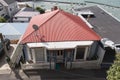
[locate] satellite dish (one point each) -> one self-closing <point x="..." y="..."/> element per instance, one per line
<point x="35" y="27"/>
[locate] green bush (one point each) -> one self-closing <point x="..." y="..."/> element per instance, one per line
<point x="40" y="10"/>
<point x="114" y="72"/>
<point x="2" y="19"/>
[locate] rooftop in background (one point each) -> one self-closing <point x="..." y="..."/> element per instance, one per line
<point x="27" y="12"/>
<point x="20" y="27"/>
<point x="28" y="9"/>
<point x="7" y="2"/>
<point x="109" y="5"/>
<point x="10" y="1"/>
<point x="104" y="24"/>
<point x="13" y="31"/>
<point x="25" y="15"/>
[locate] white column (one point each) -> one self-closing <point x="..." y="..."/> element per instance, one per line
<point x="28" y="51"/>
<point x="45" y="54"/>
<point x="101" y="53"/>
<point x="33" y="55"/>
<point x="75" y="53"/>
<point x="86" y="53"/>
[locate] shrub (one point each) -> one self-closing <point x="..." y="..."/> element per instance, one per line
<point x="2" y="19"/>
<point x="40" y="10"/>
<point x="114" y="72"/>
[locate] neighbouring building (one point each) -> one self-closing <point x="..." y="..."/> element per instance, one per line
<point x="13" y="31"/>
<point x="58" y="39"/>
<point x="107" y="26"/>
<point x="25" y="14"/>
<point x="9" y="31"/>
<point x="9" y="7"/>
<point x="3" y="11"/>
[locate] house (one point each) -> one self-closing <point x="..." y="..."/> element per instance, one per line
<point x="57" y="40"/>
<point x="3" y="11"/>
<point x="25" y="14"/>
<point x="10" y="6"/>
<point x="106" y="25"/>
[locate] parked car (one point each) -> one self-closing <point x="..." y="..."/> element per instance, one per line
<point x="7" y="43"/>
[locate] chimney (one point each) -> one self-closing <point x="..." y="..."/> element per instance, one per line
<point x="54" y="8"/>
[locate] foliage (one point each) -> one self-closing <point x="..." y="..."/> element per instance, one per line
<point x="114" y="71"/>
<point x="40" y="10"/>
<point x="2" y="19"/>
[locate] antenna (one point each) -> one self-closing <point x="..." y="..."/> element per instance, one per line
<point x="35" y="27"/>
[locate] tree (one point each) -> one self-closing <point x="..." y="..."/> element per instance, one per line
<point x="114" y="72"/>
<point x="2" y="19"/>
<point x="40" y="10"/>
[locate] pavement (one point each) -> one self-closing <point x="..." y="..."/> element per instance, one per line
<point x="6" y="73"/>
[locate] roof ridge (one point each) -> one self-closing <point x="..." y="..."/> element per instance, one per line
<point x="44" y="22"/>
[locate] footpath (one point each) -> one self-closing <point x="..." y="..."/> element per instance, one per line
<point x="5" y="71"/>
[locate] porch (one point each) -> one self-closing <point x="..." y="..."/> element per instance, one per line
<point x="62" y="58"/>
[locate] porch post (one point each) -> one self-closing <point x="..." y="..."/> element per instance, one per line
<point x="28" y="51"/>
<point x="86" y="53"/>
<point x="45" y="54"/>
<point x="33" y="54"/>
<point x="75" y="53"/>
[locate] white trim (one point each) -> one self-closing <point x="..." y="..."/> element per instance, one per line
<point x="75" y="54"/>
<point x="28" y="51"/>
<point x="86" y="53"/>
<point x="60" y="45"/>
<point x="33" y="55"/>
<point x="45" y="54"/>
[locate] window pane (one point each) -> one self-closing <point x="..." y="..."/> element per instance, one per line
<point x="80" y="53"/>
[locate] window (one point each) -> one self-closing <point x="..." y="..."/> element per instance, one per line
<point x="10" y="9"/>
<point x="15" y="17"/>
<point x="39" y="54"/>
<point x="88" y="16"/>
<point x="3" y="15"/>
<point x="80" y="53"/>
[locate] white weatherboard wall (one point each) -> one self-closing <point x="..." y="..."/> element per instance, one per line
<point x="12" y="9"/>
<point x="3" y="11"/>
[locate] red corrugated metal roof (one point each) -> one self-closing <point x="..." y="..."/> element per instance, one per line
<point x="58" y="26"/>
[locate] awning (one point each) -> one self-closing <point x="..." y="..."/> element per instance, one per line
<point x="60" y="45"/>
